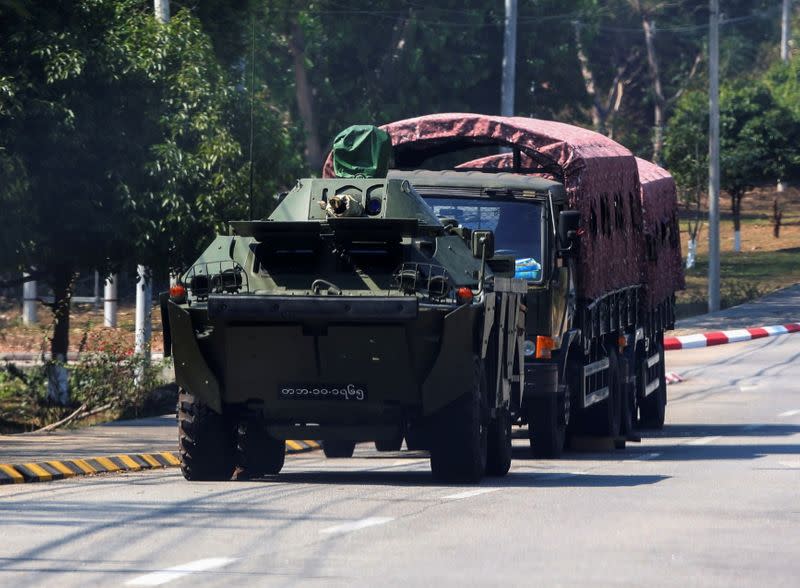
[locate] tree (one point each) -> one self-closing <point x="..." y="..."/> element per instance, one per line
<point x="112" y="128"/>
<point x="759" y="140"/>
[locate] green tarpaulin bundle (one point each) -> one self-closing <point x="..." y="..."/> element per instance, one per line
<point x="361" y="151"/>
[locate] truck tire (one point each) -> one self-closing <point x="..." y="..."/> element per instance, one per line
<point x="389" y="444"/>
<point x="652" y="410"/>
<point x="460" y="437"/>
<point x="498" y="457"/>
<point x="546" y="428"/>
<point x="603" y="419"/>
<point x="258" y="453"/>
<point x="338" y="449"/>
<point x="206" y="440"/>
<point x="627" y="400"/>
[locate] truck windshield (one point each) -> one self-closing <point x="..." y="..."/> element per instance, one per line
<point x="517" y="225"/>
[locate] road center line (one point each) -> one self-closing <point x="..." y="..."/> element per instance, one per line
<point x="789" y="413"/>
<point x="169" y="574"/>
<point x="704" y="440"/>
<point x="355" y="525"/>
<point x="469" y="493"/>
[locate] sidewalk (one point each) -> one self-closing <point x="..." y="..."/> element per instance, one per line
<point x="777" y="308"/>
<point x="152" y="435"/>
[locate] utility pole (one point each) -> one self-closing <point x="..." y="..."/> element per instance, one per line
<point x="713" y="158"/>
<point x="509" y="60"/>
<point x="786" y="33"/>
<point x="144" y="282"/>
<point x="786" y="28"/>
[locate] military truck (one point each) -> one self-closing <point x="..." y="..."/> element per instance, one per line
<point x="352" y="313"/>
<point x="598" y="248"/>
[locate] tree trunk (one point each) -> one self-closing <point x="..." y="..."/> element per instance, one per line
<point x="305" y="99"/>
<point x="691" y="255"/>
<point x="598" y="112"/>
<point x="57" y="377"/>
<point x="736" y="209"/>
<point x="659" y="102"/>
<point x="777" y="216"/>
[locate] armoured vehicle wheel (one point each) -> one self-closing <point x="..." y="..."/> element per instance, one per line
<point x="653" y="408"/>
<point x="460" y="445"/>
<point x="498" y="458"/>
<point x="546" y="428"/>
<point x="338" y="448"/>
<point x="603" y="418"/>
<point x="258" y="453"/>
<point x="390" y="444"/>
<point x="207" y="441"/>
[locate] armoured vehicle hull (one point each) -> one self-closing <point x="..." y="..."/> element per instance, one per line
<point x="351" y="314"/>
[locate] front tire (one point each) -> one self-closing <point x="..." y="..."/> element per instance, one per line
<point x="259" y="454"/>
<point x="338" y="449"/>
<point x="207" y="441"/>
<point x="498" y="458"/>
<point x="652" y="411"/>
<point x="460" y="444"/>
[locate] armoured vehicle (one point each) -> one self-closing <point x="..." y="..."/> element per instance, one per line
<point x="593" y="232"/>
<point x="351" y="314"/>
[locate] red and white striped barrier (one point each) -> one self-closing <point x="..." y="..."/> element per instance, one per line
<point x="722" y="337"/>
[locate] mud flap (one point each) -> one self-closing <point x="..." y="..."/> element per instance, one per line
<point x="191" y="370"/>
<point x="451" y="375"/>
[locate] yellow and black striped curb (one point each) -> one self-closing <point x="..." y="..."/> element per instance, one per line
<point x="47" y="471"/>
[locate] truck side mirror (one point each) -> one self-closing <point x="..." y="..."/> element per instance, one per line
<point x="568" y="224"/>
<point x="483" y="244"/>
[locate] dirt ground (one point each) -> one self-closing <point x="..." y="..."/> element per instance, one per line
<point x="86" y="332"/>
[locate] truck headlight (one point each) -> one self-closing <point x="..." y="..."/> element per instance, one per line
<point x="529" y="347"/>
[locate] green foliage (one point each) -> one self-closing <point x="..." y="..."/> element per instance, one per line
<point x="759" y="137"/>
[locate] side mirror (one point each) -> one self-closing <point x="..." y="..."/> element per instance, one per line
<point x="483" y="244"/>
<point x="568" y="224"/>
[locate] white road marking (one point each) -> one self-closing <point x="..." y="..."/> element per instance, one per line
<point x="648" y="456"/>
<point x="792" y="465"/>
<point x="789" y="413"/>
<point x="749" y="388"/>
<point x="170" y="574"/>
<point x="356" y="525"/>
<point x="469" y="493"/>
<point x="704" y="440"/>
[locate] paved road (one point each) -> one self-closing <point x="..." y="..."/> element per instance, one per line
<point x="713" y="500"/>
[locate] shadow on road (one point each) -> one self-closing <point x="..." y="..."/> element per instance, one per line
<point x="724" y="430"/>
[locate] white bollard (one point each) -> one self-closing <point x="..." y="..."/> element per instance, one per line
<point x="29" y="302"/>
<point x="144" y="301"/>
<point x="737" y="241"/>
<point x="110" y="301"/>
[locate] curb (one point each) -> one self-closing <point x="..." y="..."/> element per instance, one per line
<point x="723" y="337"/>
<point x="48" y="471"/>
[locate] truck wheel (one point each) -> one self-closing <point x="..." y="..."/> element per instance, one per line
<point x="206" y="440"/>
<point x="259" y="454"/>
<point x="603" y="419"/>
<point x="627" y="400"/>
<point x="395" y="444"/>
<point x="653" y="408"/>
<point x="546" y="428"/>
<point x="460" y="442"/>
<point x="336" y="449"/>
<point x="498" y="457"/>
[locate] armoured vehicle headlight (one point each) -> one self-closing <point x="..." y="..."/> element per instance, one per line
<point x="529" y="347"/>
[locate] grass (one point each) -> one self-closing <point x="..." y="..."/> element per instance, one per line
<point x="765" y="263"/>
